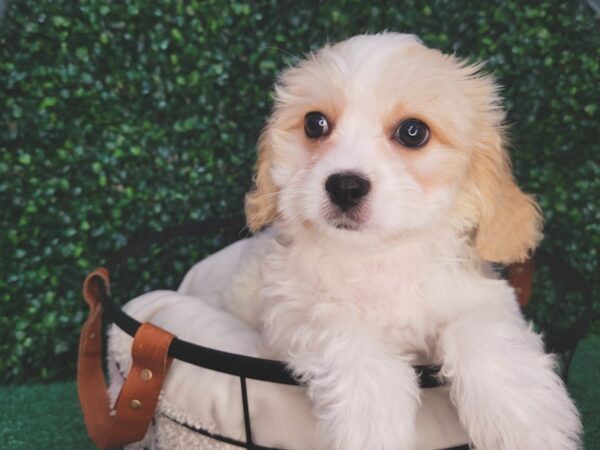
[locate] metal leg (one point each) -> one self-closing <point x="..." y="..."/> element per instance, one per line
<point x="246" y="413"/>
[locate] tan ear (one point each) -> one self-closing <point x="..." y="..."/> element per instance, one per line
<point x="509" y="221"/>
<point x="261" y="201"/>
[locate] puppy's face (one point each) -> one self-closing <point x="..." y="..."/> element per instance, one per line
<point x="381" y="136"/>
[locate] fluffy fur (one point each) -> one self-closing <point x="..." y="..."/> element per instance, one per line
<point x="351" y="309"/>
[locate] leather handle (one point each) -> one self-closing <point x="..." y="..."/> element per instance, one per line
<point x="135" y="406"/>
<point x="520" y="277"/>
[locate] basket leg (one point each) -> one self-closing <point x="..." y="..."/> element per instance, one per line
<point x="247" y="424"/>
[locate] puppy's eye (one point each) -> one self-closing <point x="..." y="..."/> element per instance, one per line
<point x="412" y="133"/>
<point x="316" y="125"/>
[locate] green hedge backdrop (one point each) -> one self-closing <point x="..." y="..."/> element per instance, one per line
<point x="121" y="116"/>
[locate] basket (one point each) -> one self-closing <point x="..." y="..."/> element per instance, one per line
<point x="568" y="285"/>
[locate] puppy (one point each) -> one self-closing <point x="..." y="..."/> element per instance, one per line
<point x="386" y="192"/>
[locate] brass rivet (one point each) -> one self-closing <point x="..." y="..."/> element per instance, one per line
<point x="519" y="270"/>
<point x="135" y="403"/>
<point x="92" y="335"/>
<point x="146" y="374"/>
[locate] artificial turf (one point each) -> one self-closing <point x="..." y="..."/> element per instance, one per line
<point x="47" y="417"/>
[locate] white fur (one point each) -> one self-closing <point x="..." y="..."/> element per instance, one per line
<point x="351" y="310"/>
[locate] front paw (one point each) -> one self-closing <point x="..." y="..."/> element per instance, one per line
<point x="549" y="422"/>
<point x="504" y="385"/>
<point x="374" y="422"/>
<point x="371" y="412"/>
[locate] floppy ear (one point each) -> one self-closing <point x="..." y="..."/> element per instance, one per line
<point x="261" y="201"/>
<point x="509" y="221"/>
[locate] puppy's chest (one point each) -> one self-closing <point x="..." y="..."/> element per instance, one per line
<point x="378" y="291"/>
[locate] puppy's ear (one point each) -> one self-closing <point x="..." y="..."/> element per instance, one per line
<point x="509" y="221"/>
<point x="261" y="201"/>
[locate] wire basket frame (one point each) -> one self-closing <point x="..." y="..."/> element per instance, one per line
<point x="246" y="367"/>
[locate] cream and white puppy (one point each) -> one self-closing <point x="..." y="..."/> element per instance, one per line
<point x="385" y="182"/>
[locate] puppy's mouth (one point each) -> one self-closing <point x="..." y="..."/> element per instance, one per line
<point x="351" y="220"/>
<point x="350" y="226"/>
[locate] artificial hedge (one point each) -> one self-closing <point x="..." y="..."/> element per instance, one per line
<point x="121" y="116"/>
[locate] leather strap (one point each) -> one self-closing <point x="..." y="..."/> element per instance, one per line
<point x="520" y="277"/>
<point x="135" y="406"/>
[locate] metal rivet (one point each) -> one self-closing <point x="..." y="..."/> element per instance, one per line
<point x="146" y="374"/>
<point x="519" y="270"/>
<point x="518" y="290"/>
<point x="135" y="403"/>
<point x="92" y="335"/>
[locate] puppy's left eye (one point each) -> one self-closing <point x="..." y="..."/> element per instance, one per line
<point x="316" y="125"/>
<point x="412" y="133"/>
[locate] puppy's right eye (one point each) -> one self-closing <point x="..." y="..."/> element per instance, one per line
<point x="316" y="125"/>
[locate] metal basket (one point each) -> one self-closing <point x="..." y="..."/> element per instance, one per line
<point x="570" y="291"/>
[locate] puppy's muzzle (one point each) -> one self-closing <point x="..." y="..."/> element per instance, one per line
<point x="347" y="190"/>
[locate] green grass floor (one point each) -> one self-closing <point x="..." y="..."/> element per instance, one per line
<point x="36" y="417"/>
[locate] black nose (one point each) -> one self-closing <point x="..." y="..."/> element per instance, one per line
<point x="347" y="189"/>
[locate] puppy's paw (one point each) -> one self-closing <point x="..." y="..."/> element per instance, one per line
<point x="550" y="422"/>
<point x="390" y="426"/>
<point x="372" y="410"/>
<point x="508" y="394"/>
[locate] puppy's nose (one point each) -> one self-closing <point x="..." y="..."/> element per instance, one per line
<point x="347" y="189"/>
